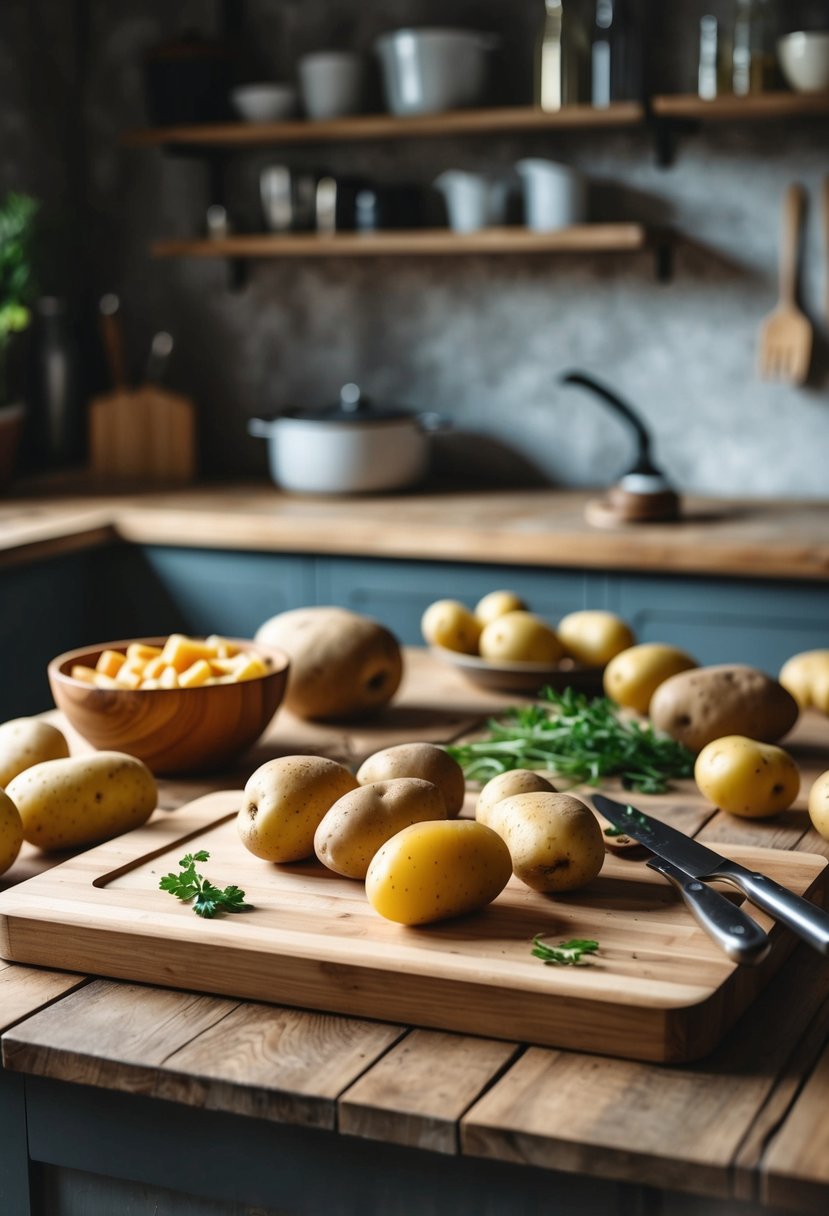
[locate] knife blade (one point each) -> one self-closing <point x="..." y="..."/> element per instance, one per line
<point x="695" y="859"/>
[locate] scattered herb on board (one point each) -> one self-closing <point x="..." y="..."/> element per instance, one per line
<point x="209" y="900"/>
<point x="578" y="738"/>
<point x="614" y="831"/>
<point x="565" y="954"/>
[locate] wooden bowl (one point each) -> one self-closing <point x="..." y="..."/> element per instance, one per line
<point x="523" y="677"/>
<point x="173" y="730"/>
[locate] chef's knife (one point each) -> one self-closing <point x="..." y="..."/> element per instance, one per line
<point x="700" y="862"/>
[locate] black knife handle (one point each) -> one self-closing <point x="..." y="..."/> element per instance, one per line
<point x="742" y="939"/>
<point x="803" y="918"/>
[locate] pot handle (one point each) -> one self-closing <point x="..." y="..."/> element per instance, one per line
<point x="261" y="428"/>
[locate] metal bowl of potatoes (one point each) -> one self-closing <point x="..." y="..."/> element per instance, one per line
<point x="219" y="699"/>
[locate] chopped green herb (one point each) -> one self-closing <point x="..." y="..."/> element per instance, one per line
<point x="612" y="831"/>
<point x="580" y="739"/>
<point x="565" y="954"/>
<point x="209" y="900"/>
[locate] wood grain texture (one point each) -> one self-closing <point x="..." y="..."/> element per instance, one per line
<point x="142" y="434"/>
<point x="418" y="1091"/>
<point x="758" y="107"/>
<point x="661" y="989"/>
<point x="261" y="1061"/>
<point x="541" y="527"/>
<point x="24" y="990"/>
<point x="795" y="1171"/>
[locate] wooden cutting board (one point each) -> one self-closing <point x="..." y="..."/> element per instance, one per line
<point x="143" y="434"/>
<point x="659" y="989"/>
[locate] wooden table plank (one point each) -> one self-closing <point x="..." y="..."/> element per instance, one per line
<point x="25" y="990"/>
<point x="795" y="1170"/>
<point x="418" y="1091"/>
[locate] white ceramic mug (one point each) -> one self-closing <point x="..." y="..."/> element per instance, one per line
<point x="555" y="196"/>
<point x="473" y="200"/>
<point x="333" y="83"/>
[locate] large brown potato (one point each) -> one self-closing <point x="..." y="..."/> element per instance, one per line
<point x="696" y="707"/>
<point x="360" y="822"/>
<point x="343" y="665"/>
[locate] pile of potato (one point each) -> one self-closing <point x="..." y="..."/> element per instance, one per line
<point x="501" y="628"/>
<point x="393" y="825"/>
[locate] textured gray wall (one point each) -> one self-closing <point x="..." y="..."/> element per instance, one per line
<point x="482" y="340"/>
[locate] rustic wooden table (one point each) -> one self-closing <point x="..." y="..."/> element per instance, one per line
<point x="128" y="1098"/>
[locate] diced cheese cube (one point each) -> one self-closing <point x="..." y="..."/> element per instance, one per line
<point x="196" y="675"/>
<point x="168" y="678"/>
<point x="109" y="662"/>
<point x="87" y="674"/>
<point x="182" y="652"/>
<point x="251" y="669"/>
<point x="140" y="650"/>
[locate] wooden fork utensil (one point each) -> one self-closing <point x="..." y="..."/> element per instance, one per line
<point x="786" y="334"/>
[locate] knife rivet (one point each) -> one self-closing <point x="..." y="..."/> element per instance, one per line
<point x="694" y="886"/>
<point x="738" y="929"/>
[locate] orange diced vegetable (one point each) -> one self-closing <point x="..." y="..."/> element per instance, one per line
<point x="109" y="662"/>
<point x="87" y="674"/>
<point x="196" y="675"/>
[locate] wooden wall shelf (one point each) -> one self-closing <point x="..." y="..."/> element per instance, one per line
<point x="385" y="126"/>
<point x="745" y="109"/>
<point x="586" y="238"/>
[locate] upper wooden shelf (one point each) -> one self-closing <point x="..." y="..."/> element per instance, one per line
<point x="748" y="109"/>
<point x="386" y="126"/>
<point x="585" y="238"/>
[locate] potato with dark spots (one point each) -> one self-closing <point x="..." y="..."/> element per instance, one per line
<point x="83" y="799"/>
<point x="696" y="707"/>
<point x="506" y="785"/>
<point x="554" y="840"/>
<point x="284" y="803"/>
<point x="423" y="760"/>
<point x="360" y="822"/>
<point x="746" y="778"/>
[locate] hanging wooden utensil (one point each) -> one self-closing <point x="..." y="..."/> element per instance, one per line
<point x="786" y="334"/>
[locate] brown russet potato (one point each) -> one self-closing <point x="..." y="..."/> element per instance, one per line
<point x="423" y="760"/>
<point x="343" y="665"/>
<point x="696" y="707"/>
<point x="360" y="822"/>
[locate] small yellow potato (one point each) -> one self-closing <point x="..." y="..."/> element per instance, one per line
<point x="28" y="741"/>
<point x="633" y="676"/>
<point x="806" y="677"/>
<point x="819" y="805"/>
<point x="361" y="821"/>
<point x="554" y="840"/>
<point x="285" y="801"/>
<point x="11" y="832"/>
<point x="706" y="703"/>
<point x="505" y="785"/>
<point x="746" y="777"/>
<point x="450" y="624"/>
<point x="497" y="603"/>
<point x="83" y="799"/>
<point x="433" y="871"/>
<point x="520" y="637"/>
<point x="594" y="637"/>
<point x="423" y="760"/>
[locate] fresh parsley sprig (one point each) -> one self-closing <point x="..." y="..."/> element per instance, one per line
<point x="579" y="739"/>
<point x="565" y="954"/>
<point x="209" y="900"/>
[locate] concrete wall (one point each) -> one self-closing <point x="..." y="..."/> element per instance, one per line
<point x="482" y="340"/>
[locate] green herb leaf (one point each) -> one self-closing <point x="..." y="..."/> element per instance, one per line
<point x="209" y="899"/>
<point x="565" y="954"/>
<point x="613" y="831"/>
<point x="579" y="739"/>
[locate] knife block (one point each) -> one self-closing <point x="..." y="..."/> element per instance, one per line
<point x="142" y="434"/>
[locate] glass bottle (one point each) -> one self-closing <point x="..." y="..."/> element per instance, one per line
<point x="752" y="58"/>
<point x="562" y="58"/>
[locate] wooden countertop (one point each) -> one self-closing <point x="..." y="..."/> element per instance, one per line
<point x="745" y="1123"/>
<point x="539" y="527"/>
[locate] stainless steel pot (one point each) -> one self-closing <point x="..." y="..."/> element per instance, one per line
<point x="353" y="447"/>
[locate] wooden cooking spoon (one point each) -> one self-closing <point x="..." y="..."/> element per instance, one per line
<point x="786" y="334"/>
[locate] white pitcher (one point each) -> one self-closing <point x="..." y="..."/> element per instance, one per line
<point x="473" y="200"/>
<point x="555" y="196"/>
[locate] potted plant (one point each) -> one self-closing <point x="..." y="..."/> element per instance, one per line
<point x="17" y="214"/>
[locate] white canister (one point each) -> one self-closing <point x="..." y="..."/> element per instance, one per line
<point x="555" y="196"/>
<point x="332" y="83"/>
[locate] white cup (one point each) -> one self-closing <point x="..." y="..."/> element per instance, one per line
<point x="473" y="200"/>
<point x="555" y="196"/>
<point x="333" y="83"/>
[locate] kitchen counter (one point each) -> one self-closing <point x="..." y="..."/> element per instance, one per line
<point x="298" y="1111"/>
<point x="537" y="528"/>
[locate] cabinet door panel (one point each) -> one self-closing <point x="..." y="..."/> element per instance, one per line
<point x="397" y="593"/>
<point x="215" y="591"/>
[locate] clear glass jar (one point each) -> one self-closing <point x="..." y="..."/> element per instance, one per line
<point x="753" y="60"/>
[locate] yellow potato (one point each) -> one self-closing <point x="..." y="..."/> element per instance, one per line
<point x="423" y="760"/>
<point x="284" y="803"/>
<point x="28" y="741"/>
<point x="11" y="832"/>
<point x="520" y="637"/>
<point x="496" y="604"/>
<point x="819" y="805"/>
<point x="505" y="785"/>
<point x="594" y="637"/>
<point x="450" y="624"/>
<point x="433" y="871"/>
<point x="746" y="777"/>
<point x="806" y="677"/>
<point x="554" y="840"/>
<point x="83" y="799"/>
<point x="633" y="676"/>
<point x="361" y="821"/>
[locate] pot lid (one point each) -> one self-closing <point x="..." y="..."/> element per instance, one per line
<point x="352" y="406"/>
